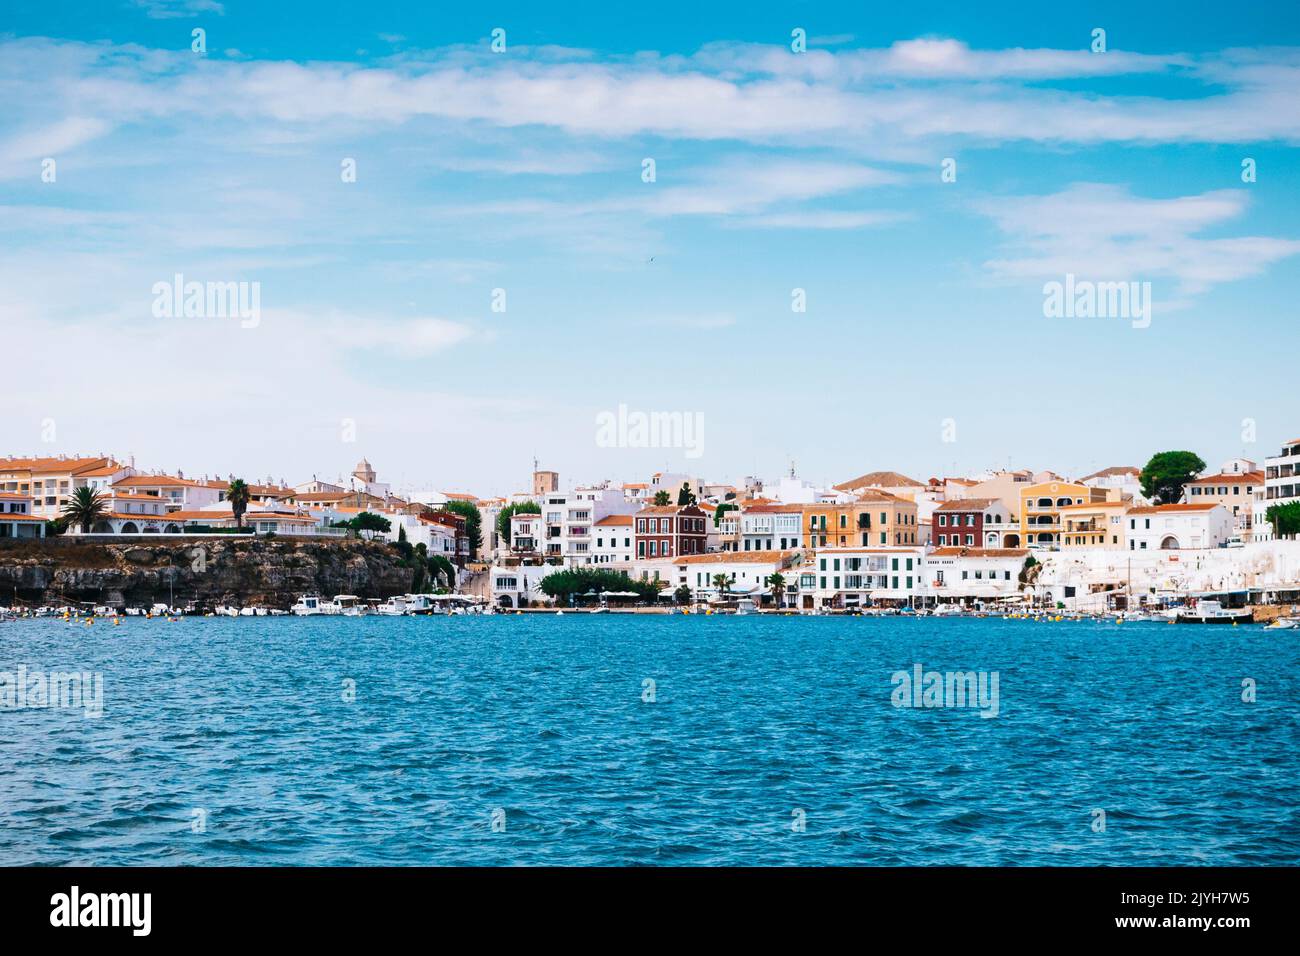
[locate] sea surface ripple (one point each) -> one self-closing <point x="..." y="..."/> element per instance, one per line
<point x="530" y="740"/>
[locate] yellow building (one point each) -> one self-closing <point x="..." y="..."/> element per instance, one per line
<point x="1097" y="524"/>
<point x="1040" y="510"/>
<point x="873" y="519"/>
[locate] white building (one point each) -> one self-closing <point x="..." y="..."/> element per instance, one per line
<point x="856" y="577"/>
<point x="526" y="532"/>
<point x="177" y="492"/>
<point x="1173" y="527"/>
<point x="972" y="575"/>
<point x="747" y="575"/>
<point x="613" y="544"/>
<point x="769" y="527"/>
<point x="516" y="587"/>
<point x="130" y="513"/>
<point x="1281" y="486"/>
<point x="16" y="518"/>
<point x="1125" y="478"/>
<point x="569" y="521"/>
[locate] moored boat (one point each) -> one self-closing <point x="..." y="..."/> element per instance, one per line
<point x="1208" y="611"/>
<point x="309" y="605"/>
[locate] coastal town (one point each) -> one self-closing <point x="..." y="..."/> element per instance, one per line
<point x="1107" y="542"/>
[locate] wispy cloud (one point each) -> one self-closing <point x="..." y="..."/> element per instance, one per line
<point x="1105" y="232"/>
<point x="178" y="9"/>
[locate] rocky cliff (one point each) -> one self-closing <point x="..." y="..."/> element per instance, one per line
<point x="207" y="571"/>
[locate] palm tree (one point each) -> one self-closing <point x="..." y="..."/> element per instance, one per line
<point x="662" y="498"/>
<point x="237" y="494"/>
<point x="721" y="581"/>
<point x="85" y="507"/>
<point x="776" y="581"/>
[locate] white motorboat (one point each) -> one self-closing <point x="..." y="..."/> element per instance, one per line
<point x="946" y="610"/>
<point x="418" y="603"/>
<point x="349" y="605"/>
<point x="393" y="607"/>
<point x="1207" y="611"/>
<point x="1282" y="624"/>
<point x="745" y="606"/>
<point x="309" y="605"/>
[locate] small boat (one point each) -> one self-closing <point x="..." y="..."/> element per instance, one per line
<point x="946" y="610"/>
<point x="1282" y="624"/>
<point x="393" y="607"/>
<point x="418" y="604"/>
<point x="745" y="606"/>
<point x="309" y="605"/>
<point x="349" y="605"/>
<point x="1130" y="617"/>
<point x="1212" y="612"/>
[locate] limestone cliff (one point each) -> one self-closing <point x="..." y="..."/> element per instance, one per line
<point x="208" y="571"/>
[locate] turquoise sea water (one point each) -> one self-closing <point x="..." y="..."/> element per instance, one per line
<point x="238" y="728"/>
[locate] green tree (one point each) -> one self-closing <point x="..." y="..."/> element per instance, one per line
<point x="682" y="595"/>
<point x="571" y="582"/>
<point x="85" y="507"/>
<point x="509" y="511"/>
<point x="1166" y="473"/>
<point x="1285" y="519"/>
<point x="662" y="498"/>
<point x="473" y="523"/>
<point x="442" y="569"/>
<point x="684" y="495"/>
<point x="723" y="584"/>
<point x="368" y="521"/>
<point x="722" y="509"/>
<point x="776" y="581"/>
<point x="238" y="494"/>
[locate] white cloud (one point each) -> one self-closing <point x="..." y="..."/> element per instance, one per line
<point x="22" y="152"/>
<point x="865" y="99"/>
<point x="1104" y="232"/>
<point x="178" y="9"/>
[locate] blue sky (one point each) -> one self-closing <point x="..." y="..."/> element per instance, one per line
<point x="522" y="171"/>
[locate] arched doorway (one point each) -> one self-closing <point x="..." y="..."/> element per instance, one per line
<point x="992" y="540"/>
<point x="1011" y="541"/>
<point x="172" y="529"/>
<point x="101" y="527"/>
<point x="129" y="528"/>
<point x="1170" y="543"/>
<point x="505" y="600"/>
